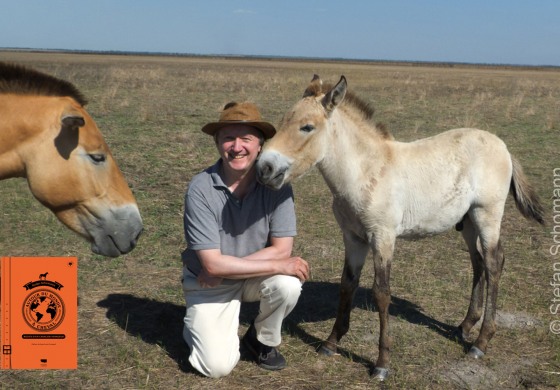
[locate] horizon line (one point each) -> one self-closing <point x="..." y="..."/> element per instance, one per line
<point x="276" y="57"/>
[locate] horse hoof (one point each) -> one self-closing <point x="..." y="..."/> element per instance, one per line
<point x="380" y="373"/>
<point x="475" y="353"/>
<point x="326" y="351"/>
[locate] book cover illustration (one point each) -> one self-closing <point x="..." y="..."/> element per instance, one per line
<point x="39" y="312"/>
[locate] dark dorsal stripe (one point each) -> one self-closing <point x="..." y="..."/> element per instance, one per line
<point x="364" y="108"/>
<point x="20" y="80"/>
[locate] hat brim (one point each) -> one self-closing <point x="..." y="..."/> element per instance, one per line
<point x="266" y="128"/>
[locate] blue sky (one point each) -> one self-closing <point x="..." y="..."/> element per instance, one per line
<point x="475" y="31"/>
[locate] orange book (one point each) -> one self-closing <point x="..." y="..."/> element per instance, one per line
<point x="39" y="312"/>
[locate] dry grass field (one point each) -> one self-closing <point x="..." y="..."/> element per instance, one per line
<point x="150" y="110"/>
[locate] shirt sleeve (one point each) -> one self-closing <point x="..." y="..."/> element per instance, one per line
<point x="200" y="223"/>
<point x="283" y="219"/>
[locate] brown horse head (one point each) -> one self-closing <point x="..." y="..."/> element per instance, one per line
<point x="47" y="136"/>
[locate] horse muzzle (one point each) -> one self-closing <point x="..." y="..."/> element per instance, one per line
<point x="271" y="170"/>
<point x="116" y="232"/>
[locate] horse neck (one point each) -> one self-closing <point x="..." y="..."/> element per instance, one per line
<point x="355" y="155"/>
<point x="17" y="131"/>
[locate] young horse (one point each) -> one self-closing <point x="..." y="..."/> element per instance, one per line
<point x="384" y="189"/>
<point x="47" y="136"/>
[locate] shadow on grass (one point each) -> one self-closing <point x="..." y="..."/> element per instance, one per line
<point x="161" y="323"/>
<point x="319" y="302"/>
<point x="153" y="321"/>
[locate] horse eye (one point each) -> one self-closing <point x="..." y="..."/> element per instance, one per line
<point x="97" y="158"/>
<point x="307" y="128"/>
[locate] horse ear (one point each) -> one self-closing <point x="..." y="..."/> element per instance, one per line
<point x="67" y="140"/>
<point x="72" y="118"/>
<point x="335" y="96"/>
<point x="314" y="89"/>
<point x="73" y="121"/>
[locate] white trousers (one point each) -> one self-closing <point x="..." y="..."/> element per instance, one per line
<point x="212" y="317"/>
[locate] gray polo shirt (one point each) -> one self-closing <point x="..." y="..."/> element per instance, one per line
<point x="215" y="219"/>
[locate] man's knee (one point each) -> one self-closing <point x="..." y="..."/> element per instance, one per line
<point x="286" y="287"/>
<point x="213" y="356"/>
<point x="293" y="287"/>
<point x="213" y="366"/>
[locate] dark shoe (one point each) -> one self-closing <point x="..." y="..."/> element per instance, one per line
<point x="266" y="357"/>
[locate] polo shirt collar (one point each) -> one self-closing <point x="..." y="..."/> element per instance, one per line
<point x="218" y="182"/>
<point x="215" y="175"/>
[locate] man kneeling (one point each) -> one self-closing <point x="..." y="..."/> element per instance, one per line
<point x="239" y="242"/>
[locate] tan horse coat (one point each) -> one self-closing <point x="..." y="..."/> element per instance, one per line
<point x="47" y="137"/>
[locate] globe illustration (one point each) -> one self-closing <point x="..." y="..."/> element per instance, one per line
<point x="44" y="309"/>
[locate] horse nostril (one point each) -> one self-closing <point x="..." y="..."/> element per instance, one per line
<point x="266" y="170"/>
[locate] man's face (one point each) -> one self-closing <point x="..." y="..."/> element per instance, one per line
<point x="239" y="146"/>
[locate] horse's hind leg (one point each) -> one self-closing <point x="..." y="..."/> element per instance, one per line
<point x="477" y="294"/>
<point x="356" y="251"/>
<point x="494" y="261"/>
<point x="488" y="224"/>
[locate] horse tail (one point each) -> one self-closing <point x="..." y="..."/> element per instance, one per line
<point x="526" y="198"/>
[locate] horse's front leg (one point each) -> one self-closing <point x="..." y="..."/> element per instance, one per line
<point x="383" y="253"/>
<point x="356" y="251"/>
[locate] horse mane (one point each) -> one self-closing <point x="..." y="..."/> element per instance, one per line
<point x="18" y="79"/>
<point x="365" y="109"/>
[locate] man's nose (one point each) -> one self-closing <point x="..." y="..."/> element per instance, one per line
<point x="236" y="146"/>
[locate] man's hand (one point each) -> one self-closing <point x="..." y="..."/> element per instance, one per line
<point x="297" y="267"/>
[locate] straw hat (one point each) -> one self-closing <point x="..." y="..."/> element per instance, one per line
<point x="245" y="113"/>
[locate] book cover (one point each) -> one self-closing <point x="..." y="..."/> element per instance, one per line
<point x="39" y="312"/>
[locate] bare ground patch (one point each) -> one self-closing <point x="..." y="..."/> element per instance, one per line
<point x="471" y="374"/>
<point x="491" y="373"/>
